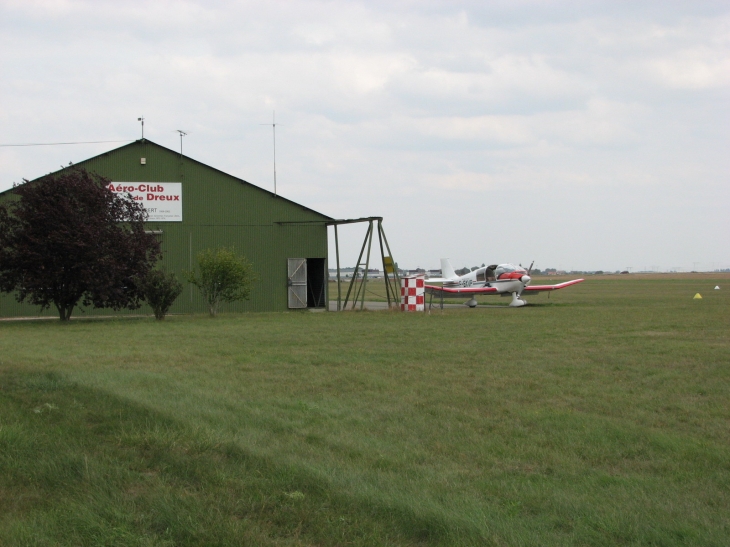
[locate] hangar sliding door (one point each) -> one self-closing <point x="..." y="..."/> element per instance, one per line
<point x="297" y="282"/>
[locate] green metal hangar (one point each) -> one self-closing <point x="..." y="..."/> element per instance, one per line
<point x="193" y="206"/>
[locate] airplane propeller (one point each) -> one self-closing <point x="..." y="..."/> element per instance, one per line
<point x="525" y="281"/>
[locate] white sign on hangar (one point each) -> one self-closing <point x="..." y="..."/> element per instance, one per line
<point x="161" y="200"/>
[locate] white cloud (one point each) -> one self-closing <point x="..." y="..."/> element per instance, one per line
<point x="695" y="68"/>
<point x="570" y="115"/>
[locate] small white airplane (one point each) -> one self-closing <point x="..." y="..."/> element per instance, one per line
<point x="501" y="279"/>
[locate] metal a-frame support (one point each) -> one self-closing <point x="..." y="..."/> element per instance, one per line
<point x="359" y="284"/>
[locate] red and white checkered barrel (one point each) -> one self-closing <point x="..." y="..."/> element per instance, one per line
<point x="413" y="293"/>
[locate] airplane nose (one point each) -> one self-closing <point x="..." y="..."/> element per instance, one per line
<point x="525" y="280"/>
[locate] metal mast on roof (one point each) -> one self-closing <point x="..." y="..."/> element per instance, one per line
<point x="182" y="134"/>
<point x="141" y="119"/>
<point x="273" y="126"/>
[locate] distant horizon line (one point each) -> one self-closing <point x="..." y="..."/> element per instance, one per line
<point x="561" y="271"/>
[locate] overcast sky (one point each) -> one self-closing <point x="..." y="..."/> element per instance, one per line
<point x="579" y="134"/>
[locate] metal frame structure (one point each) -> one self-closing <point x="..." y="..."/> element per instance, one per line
<point x="390" y="272"/>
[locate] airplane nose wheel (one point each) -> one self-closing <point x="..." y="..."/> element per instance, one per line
<point x="516" y="302"/>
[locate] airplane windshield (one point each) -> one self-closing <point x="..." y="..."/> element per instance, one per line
<point x="504" y="268"/>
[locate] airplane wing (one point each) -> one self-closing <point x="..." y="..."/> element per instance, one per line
<point x="538" y="288"/>
<point x="457" y="292"/>
<point x="460" y="292"/>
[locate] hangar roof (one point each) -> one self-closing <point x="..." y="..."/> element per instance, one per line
<point x="148" y="142"/>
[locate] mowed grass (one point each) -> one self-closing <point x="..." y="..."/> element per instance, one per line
<point x="598" y="417"/>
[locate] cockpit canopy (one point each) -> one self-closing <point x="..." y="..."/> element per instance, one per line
<point x="486" y="273"/>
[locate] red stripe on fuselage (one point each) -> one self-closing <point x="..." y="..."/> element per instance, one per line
<point x="512" y="275"/>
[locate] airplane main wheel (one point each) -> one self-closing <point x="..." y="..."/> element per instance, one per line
<point x="472" y="303"/>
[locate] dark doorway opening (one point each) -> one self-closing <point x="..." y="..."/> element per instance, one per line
<point x="316" y="282"/>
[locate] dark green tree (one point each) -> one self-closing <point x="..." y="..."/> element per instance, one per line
<point x="160" y="291"/>
<point x="67" y="238"/>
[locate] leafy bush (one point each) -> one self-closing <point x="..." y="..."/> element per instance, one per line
<point x="224" y="277"/>
<point x="160" y="291"/>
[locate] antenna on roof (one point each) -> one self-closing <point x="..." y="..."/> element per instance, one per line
<point x="141" y="119"/>
<point x="273" y="126"/>
<point x="182" y="134"/>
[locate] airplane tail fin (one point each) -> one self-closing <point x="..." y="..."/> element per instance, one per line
<point x="447" y="271"/>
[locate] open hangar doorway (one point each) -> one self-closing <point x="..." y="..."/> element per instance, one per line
<point x="308" y="278"/>
<point x="307" y="283"/>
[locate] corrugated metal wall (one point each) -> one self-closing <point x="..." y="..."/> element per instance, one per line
<point x="218" y="210"/>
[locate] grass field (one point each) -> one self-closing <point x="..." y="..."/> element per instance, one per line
<point x="375" y="288"/>
<point x="598" y="417"/>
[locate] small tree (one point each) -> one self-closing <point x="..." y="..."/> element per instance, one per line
<point x="224" y="277"/>
<point x="160" y="291"/>
<point x="68" y="238"/>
